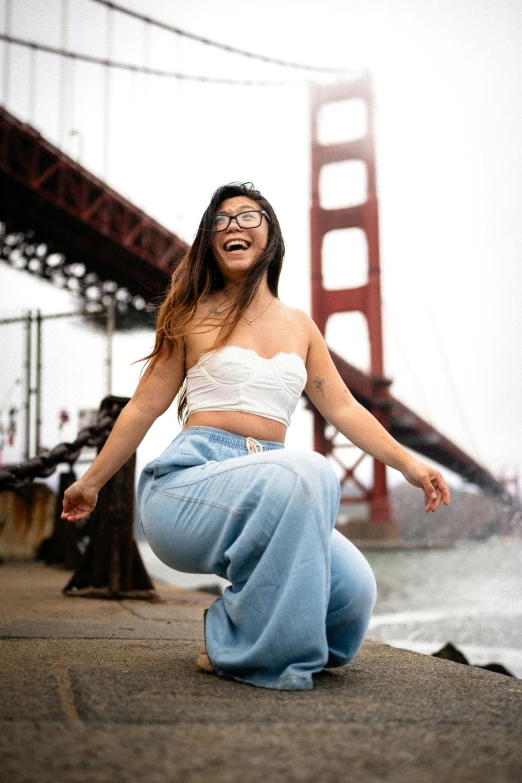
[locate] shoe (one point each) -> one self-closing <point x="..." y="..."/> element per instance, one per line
<point x="203" y="661"/>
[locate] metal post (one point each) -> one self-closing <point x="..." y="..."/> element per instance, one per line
<point x="38" y="385"/>
<point x="112" y="566"/>
<point x="27" y="367"/>
<point x="111" y="319"/>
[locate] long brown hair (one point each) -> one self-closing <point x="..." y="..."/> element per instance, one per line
<point x="198" y="275"/>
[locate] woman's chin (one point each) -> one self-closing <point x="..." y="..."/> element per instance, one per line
<point x="233" y="267"/>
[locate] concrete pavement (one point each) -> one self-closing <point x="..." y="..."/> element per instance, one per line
<point x="96" y="691"/>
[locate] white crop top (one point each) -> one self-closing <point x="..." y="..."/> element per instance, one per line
<point x="232" y="378"/>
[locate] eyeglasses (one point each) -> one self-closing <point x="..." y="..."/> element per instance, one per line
<point x="250" y="219"/>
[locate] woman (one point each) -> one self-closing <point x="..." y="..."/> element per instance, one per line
<point x="225" y="497"/>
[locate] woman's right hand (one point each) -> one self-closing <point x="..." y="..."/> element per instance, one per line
<point x="79" y="501"/>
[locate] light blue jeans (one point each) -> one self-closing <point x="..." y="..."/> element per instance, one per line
<point x="263" y="517"/>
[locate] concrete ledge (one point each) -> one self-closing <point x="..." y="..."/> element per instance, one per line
<point x="94" y="690"/>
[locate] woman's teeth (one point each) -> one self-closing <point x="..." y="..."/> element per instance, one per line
<point x="236" y="244"/>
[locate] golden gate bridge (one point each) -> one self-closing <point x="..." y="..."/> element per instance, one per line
<point x="60" y="221"/>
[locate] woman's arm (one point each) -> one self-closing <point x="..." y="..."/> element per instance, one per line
<point x="154" y="394"/>
<point x="334" y="401"/>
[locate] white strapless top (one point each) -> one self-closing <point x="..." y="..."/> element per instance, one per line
<point x="232" y="378"/>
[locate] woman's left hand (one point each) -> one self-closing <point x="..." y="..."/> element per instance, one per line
<point x="431" y="481"/>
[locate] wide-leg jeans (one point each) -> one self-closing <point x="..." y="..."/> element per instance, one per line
<point x="263" y="517"/>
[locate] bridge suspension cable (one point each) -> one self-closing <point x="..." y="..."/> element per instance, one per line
<point x="7" y="63"/>
<point x="452" y="384"/>
<point x="138" y="68"/>
<point x="396" y="336"/>
<point x="225" y="47"/>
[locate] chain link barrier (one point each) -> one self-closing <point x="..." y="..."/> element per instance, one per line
<point x="14" y="477"/>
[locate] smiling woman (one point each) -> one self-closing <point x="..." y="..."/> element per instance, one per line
<point x="242" y="236"/>
<point x="226" y="497"/>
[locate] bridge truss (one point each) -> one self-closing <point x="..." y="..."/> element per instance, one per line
<point x="67" y="226"/>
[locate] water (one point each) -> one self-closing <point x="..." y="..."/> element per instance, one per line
<point x="469" y="595"/>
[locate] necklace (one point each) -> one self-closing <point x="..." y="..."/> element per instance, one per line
<point x="250" y="321"/>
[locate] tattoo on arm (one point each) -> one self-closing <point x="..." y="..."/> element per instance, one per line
<point x="319" y="384"/>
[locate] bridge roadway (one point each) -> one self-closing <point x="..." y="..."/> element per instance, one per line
<point x="54" y="210"/>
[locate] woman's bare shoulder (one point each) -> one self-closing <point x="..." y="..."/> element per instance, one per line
<point x="297" y="325"/>
<point x="203" y="326"/>
<point x="298" y="317"/>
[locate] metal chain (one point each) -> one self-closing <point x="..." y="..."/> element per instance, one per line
<point x="16" y="476"/>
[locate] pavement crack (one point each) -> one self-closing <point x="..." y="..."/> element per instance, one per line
<point x="66" y="693"/>
<point x="131" y="610"/>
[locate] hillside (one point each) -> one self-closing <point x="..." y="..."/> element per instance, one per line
<point x="470" y="515"/>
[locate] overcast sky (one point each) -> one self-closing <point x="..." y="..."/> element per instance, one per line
<point x="448" y="81"/>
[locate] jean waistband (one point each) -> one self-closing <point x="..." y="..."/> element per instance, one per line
<point x="230" y="438"/>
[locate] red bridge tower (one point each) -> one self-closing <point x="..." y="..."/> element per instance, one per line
<point x="365" y="298"/>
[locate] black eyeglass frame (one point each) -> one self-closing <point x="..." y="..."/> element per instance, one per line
<point x="235" y="217"/>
